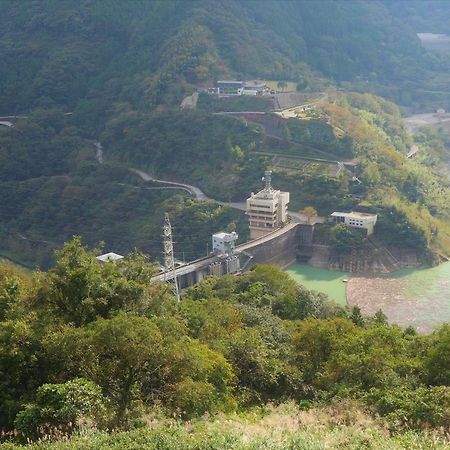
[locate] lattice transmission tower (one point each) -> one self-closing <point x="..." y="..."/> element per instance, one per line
<point x="169" y="260"/>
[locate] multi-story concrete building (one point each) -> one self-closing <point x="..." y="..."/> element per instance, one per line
<point x="356" y="220"/>
<point x="267" y="210"/>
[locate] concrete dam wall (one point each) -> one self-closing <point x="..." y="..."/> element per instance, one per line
<point x="279" y="250"/>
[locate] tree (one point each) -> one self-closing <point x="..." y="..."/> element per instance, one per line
<point x="286" y="132"/>
<point x="315" y="343"/>
<point x="231" y="227"/>
<point x="118" y="354"/>
<point x="195" y="379"/>
<point x="21" y="371"/>
<point x="301" y="85"/>
<point x="346" y="239"/>
<point x="309" y="212"/>
<point x="372" y="357"/>
<point x="437" y="361"/>
<point x="61" y="409"/>
<point x="380" y="318"/>
<point x="404" y="407"/>
<point x="282" y="85"/>
<point x="356" y="317"/>
<point x="237" y="153"/>
<point x="78" y="289"/>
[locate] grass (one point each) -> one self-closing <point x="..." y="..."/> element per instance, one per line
<point x="342" y="426"/>
<point x="291" y="86"/>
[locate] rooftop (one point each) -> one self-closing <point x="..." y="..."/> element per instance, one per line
<point x="109" y="257"/>
<point x="230" y="81"/>
<point x="356" y="215"/>
<point x="226" y="236"/>
<point x="265" y="194"/>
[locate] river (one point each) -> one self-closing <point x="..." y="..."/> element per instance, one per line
<point x="417" y="297"/>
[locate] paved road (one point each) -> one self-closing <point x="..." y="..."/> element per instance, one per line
<point x="99" y="152"/>
<point x="352" y="162"/>
<point x="195" y="191"/>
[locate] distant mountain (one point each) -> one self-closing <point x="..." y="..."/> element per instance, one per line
<point x="424" y="16"/>
<point x="143" y="51"/>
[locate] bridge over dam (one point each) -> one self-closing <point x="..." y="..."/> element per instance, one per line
<point x="279" y="248"/>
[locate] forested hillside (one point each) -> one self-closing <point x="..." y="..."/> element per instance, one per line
<point x="54" y="187"/>
<point x="411" y="196"/>
<point x="121" y="70"/>
<point x="89" y="55"/>
<point x="424" y="17"/>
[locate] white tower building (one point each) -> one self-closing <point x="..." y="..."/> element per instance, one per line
<point x="267" y="209"/>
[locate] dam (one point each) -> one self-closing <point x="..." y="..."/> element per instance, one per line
<point x="279" y="248"/>
<point x="274" y="240"/>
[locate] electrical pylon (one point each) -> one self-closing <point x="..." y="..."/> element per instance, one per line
<point x="169" y="262"/>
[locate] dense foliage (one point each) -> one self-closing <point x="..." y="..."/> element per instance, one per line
<point x="99" y="345"/>
<point x="52" y="187"/>
<point x="120" y="68"/>
<point x="85" y="56"/>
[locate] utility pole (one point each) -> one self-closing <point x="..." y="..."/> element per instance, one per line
<point x="169" y="263"/>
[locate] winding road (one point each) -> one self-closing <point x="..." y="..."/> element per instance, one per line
<point x="99" y="152"/>
<point x="200" y="195"/>
<point x="194" y="190"/>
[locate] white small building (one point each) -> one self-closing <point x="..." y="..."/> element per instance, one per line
<point x="267" y="210"/>
<point x="356" y="220"/>
<point x="229" y="88"/>
<point x="224" y="242"/>
<point x="109" y="257"/>
<point x="250" y="92"/>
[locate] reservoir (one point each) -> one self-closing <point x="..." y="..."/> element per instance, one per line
<point x="417" y="297"/>
<point x="327" y="281"/>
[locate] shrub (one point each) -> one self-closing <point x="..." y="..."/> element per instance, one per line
<point x="60" y="409"/>
<point x="413" y="408"/>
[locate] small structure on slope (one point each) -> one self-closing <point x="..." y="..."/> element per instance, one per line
<point x="109" y="257"/>
<point x="356" y="220"/>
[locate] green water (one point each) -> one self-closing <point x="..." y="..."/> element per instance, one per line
<point x="327" y="281"/>
<point x="426" y="284"/>
<point x="429" y="288"/>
